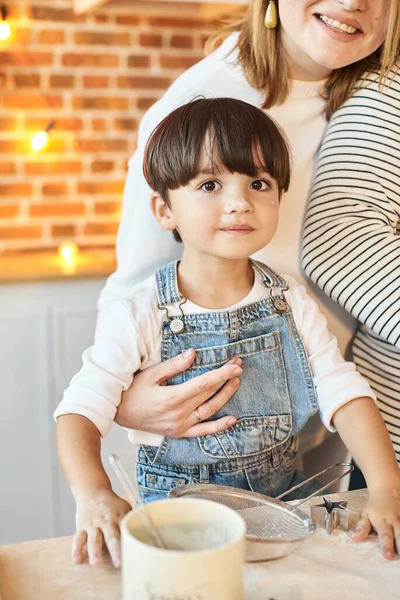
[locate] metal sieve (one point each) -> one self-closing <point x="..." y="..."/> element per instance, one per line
<point x="273" y="528"/>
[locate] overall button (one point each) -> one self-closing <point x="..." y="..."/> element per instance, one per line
<point x="176" y="325"/>
<point x="280" y="305"/>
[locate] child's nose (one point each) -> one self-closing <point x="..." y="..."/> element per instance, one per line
<point x="237" y="204"/>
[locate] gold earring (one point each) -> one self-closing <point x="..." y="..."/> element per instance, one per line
<point x="271" y="15"/>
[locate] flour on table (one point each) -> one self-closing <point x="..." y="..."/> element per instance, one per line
<point x="341" y="570"/>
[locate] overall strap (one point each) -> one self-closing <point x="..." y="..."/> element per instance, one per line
<point x="167" y="284"/>
<point x="270" y="278"/>
<point x="273" y="281"/>
<point x="168" y="293"/>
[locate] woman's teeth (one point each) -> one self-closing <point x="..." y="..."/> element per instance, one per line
<point x="337" y="25"/>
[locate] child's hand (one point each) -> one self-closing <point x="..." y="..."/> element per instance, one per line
<point x="97" y="523"/>
<point x="382" y="513"/>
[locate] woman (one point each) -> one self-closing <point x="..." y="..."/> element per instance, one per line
<point x="300" y="69"/>
<point x="351" y="246"/>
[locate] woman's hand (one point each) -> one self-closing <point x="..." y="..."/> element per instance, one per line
<point x="382" y="513"/>
<point x="97" y="524"/>
<point x="170" y="410"/>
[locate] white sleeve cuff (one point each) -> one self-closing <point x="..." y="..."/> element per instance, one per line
<point x="97" y="409"/>
<point x="348" y="387"/>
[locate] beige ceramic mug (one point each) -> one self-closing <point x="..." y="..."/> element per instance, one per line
<point x="204" y="558"/>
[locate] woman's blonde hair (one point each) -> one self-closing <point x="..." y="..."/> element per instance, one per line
<point x="265" y="66"/>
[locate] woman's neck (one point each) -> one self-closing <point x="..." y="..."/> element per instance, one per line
<point x="213" y="282"/>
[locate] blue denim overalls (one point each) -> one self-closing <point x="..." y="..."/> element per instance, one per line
<point x="274" y="401"/>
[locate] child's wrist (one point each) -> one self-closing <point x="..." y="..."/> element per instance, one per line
<point x="389" y="482"/>
<point x="93" y="490"/>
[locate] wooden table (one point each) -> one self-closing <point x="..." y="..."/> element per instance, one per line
<point x="322" y="568"/>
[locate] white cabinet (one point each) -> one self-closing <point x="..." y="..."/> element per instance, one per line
<point x="25" y="489"/>
<point x="44" y="328"/>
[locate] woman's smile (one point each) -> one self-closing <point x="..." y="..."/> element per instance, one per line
<point x="340" y="23"/>
<point x="338" y="30"/>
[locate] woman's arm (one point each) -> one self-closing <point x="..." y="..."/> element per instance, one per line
<point x="351" y="246"/>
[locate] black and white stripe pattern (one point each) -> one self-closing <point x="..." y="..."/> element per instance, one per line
<point x="379" y="362"/>
<point x="351" y="246"/>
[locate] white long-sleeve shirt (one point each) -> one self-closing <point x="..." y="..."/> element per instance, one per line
<point x="128" y="339"/>
<point x="352" y="232"/>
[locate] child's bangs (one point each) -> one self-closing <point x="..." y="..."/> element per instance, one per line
<point x="224" y="152"/>
<point x="246" y="143"/>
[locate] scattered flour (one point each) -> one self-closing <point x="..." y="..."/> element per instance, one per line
<point x="327" y="567"/>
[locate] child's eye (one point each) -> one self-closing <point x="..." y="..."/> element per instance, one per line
<point x="260" y="185"/>
<point x="210" y="186"/>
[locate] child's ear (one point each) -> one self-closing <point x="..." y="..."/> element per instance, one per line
<point x="162" y="212"/>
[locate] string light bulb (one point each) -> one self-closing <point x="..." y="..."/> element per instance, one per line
<point x="68" y="251"/>
<point x="68" y="257"/>
<point x="41" y="138"/>
<point x="5" y="29"/>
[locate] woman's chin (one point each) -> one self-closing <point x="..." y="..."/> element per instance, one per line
<point x="331" y="61"/>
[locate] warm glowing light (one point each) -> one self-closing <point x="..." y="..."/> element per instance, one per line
<point x="68" y="250"/>
<point x="5" y="31"/>
<point x="39" y="140"/>
<point x="68" y="253"/>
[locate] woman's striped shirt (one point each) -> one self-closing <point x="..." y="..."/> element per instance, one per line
<point x="351" y="244"/>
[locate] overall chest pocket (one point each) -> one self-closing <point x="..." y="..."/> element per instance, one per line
<point x="261" y="404"/>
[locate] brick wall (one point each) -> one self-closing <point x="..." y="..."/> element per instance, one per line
<point x="94" y="75"/>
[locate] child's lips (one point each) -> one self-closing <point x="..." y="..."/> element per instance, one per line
<point x="238" y="229"/>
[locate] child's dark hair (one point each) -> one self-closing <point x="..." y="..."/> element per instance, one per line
<point x="240" y="138"/>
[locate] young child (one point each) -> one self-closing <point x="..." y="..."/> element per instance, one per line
<point x="218" y="168"/>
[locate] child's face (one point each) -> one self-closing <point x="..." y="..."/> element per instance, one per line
<point x="226" y="215"/>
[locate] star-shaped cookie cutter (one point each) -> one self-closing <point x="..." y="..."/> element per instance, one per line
<point x="333" y="515"/>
